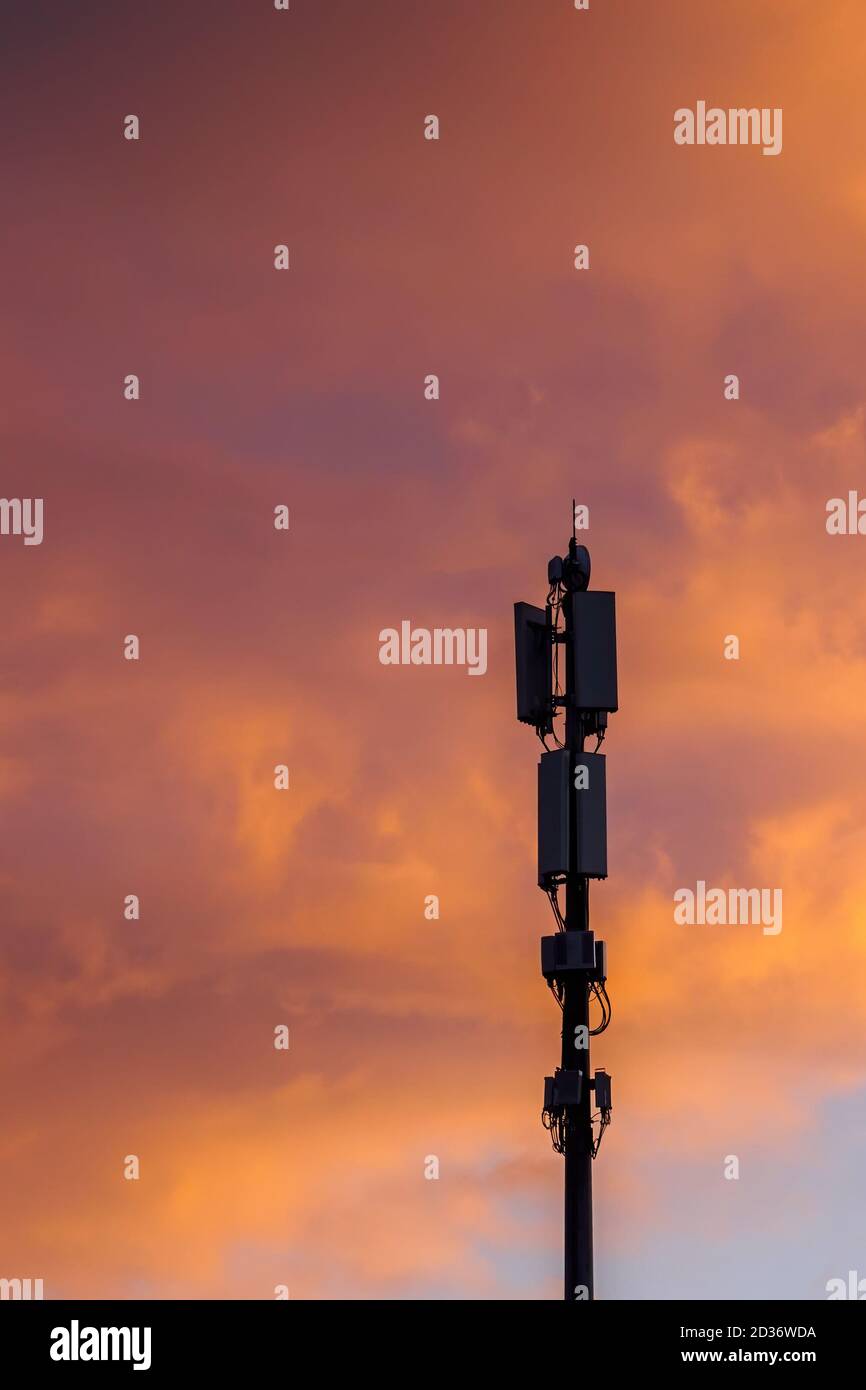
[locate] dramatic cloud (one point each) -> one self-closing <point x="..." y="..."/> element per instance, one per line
<point x="412" y="1037"/>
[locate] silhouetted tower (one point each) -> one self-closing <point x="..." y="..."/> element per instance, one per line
<point x="574" y="632"/>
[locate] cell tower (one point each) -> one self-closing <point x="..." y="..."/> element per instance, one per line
<point x="576" y="630"/>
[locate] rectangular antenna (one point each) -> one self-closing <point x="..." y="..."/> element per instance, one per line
<point x="532" y="650"/>
<point x="593" y="653"/>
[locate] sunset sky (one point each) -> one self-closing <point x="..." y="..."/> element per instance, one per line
<point x="260" y="647"/>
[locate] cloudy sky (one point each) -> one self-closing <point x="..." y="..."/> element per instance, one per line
<point x="412" y="1037"/>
